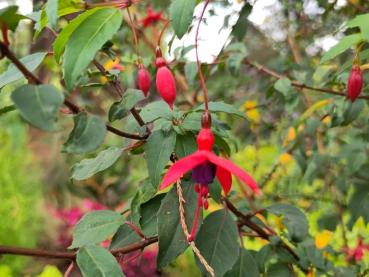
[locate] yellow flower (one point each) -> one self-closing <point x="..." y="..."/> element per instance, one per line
<point x="291" y="136"/>
<point x="285" y="158"/>
<point x="251" y="111"/>
<point x="323" y="238"/>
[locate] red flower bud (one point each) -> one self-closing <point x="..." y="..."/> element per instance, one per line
<point x="143" y="79"/>
<point x="355" y="83"/>
<point x="205" y="139"/>
<point x="166" y="85"/>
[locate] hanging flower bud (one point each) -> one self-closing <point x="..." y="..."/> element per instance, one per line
<point x="355" y="83"/>
<point x="143" y="79"/>
<point x="165" y="83"/>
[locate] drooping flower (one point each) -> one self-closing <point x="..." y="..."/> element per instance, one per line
<point x="356" y="253"/>
<point x="355" y="83"/>
<point x="143" y="79"/>
<point x="151" y="17"/>
<point x="205" y="165"/>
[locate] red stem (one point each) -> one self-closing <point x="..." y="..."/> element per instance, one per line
<point x="162" y="31"/>
<point x="194" y="227"/>
<point x="202" y="80"/>
<point x="4" y="31"/>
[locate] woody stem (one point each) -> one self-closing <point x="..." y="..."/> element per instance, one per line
<point x="201" y="76"/>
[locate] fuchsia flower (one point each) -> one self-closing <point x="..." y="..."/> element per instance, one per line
<point x="151" y="17"/>
<point x="205" y="165"/>
<point x="356" y="253"/>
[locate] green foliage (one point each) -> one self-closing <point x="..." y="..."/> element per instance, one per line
<point x="181" y="12"/>
<point x="129" y="100"/>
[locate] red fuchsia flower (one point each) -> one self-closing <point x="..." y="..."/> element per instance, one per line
<point x="205" y="165"/>
<point x="165" y="82"/>
<point x="143" y="79"/>
<point x="355" y="83"/>
<point x="357" y="253"/>
<point x="151" y="17"/>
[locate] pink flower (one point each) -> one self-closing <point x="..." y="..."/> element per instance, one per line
<point x="205" y="165"/>
<point x="151" y="17"/>
<point x="358" y="252"/>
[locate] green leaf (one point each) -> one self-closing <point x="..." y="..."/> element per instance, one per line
<point x="158" y="149"/>
<point x="87" y="135"/>
<point x="221" y="107"/>
<point x="293" y="219"/>
<point x="89" y="167"/>
<point x="86" y="40"/>
<point x="124" y="236"/>
<point x="245" y="266"/>
<point x="63" y="37"/>
<point x="185" y="145"/>
<point x="120" y="109"/>
<point x="344" y="44"/>
<point x="181" y="12"/>
<point x="31" y="62"/>
<point x="155" y="110"/>
<point x="283" y="85"/>
<point x="38" y="105"/>
<point x="96" y="261"/>
<point x="172" y="241"/>
<point x="234" y="62"/>
<point x="10" y="17"/>
<point x="361" y="21"/>
<point x="7" y="109"/>
<point x="358" y="204"/>
<point x="280" y="270"/>
<point x="191" y="73"/>
<point x="52" y="12"/>
<point x="94" y="227"/>
<point x="217" y="241"/>
<point x="149" y="221"/>
<point x="240" y="28"/>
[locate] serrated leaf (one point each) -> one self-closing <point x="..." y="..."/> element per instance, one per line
<point x="95" y="227"/>
<point x="181" y="12"/>
<point x="293" y="219"/>
<point x="38" y="104"/>
<point x="52" y="12"/>
<point x="245" y="266"/>
<point x="172" y="241"/>
<point x="86" y="40"/>
<point x="96" y="261"/>
<point x="344" y="44"/>
<point x="63" y="37"/>
<point x="10" y="17"/>
<point x="120" y="109"/>
<point x="87" y="135"/>
<point x="221" y="107"/>
<point x="89" y="167"/>
<point x="31" y="62"/>
<point x="158" y="149"/>
<point x="217" y="241"/>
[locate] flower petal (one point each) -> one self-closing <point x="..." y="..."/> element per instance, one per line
<point x="181" y="167"/>
<point x="225" y="179"/>
<point x="232" y="168"/>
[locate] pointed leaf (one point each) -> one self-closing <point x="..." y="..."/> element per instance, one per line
<point x="181" y="12"/>
<point x="86" y="40"/>
<point x="38" y="105"/>
<point x="149" y="220"/>
<point x="172" y="241"/>
<point x="52" y="12"/>
<point x="94" y="227"/>
<point x="89" y="167"/>
<point x="245" y="266"/>
<point x="96" y="261"/>
<point x="88" y="134"/>
<point x="120" y="109"/>
<point x="217" y="241"/>
<point x="31" y="62"/>
<point x="158" y="149"/>
<point x="10" y="17"/>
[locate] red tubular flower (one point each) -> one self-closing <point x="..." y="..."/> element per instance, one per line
<point x="151" y="17"/>
<point x="165" y="83"/>
<point x="205" y="165"/>
<point x="355" y="83"/>
<point x="143" y="79"/>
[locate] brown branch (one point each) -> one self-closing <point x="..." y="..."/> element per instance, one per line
<point x="297" y="84"/>
<point x="33" y="79"/>
<point x="71" y="255"/>
<point x="246" y="220"/>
